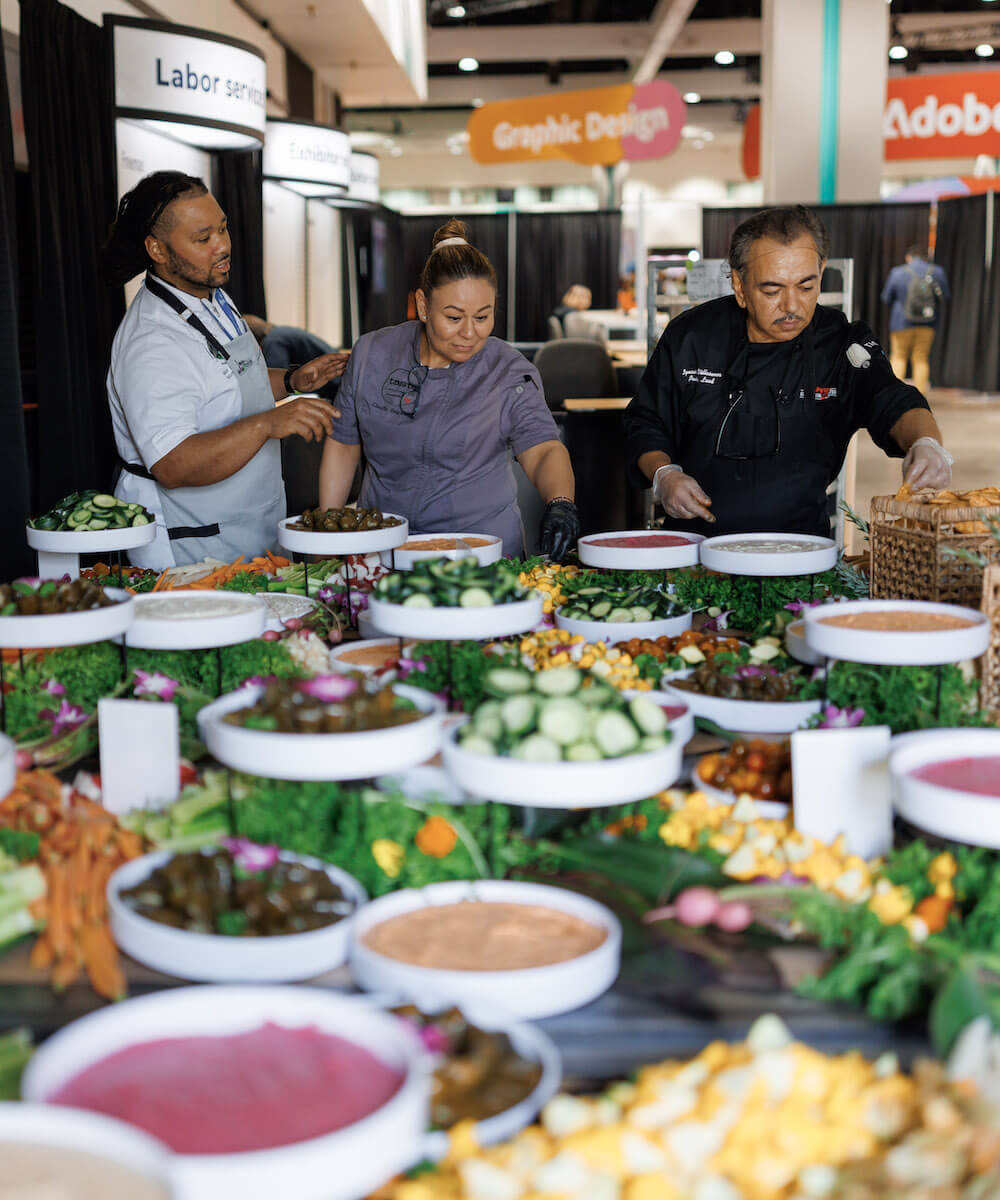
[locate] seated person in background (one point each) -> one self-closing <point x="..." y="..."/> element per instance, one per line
<point x="626" y="292"/>
<point x="576" y="299"/>
<point x="283" y="345"/>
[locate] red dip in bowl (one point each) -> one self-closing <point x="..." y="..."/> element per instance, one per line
<point x="229" y="1095"/>
<point x="980" y="776"/>
<point x="645" y="541"/>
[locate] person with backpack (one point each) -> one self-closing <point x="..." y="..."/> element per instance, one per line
<point x="915" y="292"/>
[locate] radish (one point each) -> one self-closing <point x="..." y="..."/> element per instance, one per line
<point x="696" y="906"/>
<point x="734" y="917"/>
<point x="270" y="635"/>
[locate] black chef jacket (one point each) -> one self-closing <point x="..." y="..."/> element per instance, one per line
<point x="762" y="427"/>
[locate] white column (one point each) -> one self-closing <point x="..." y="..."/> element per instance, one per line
<point x="864" y="77"/>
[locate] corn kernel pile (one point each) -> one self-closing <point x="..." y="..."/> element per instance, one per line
<point x="546" y="578"/>
<point x="769" y="1119"/>
<point x="559" y="648"/>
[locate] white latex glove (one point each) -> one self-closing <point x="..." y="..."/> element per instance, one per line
<point x="927" y="464"/>
<point x="680" y="494"/>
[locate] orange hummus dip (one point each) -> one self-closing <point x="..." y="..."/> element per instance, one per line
<point x="484" y="936"/>
<point x="899" y="621"/>
<point x="372" y="656"/>
<point x="446" y="543"/>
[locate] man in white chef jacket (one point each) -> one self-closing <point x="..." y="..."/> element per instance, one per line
<point x="192" y="400"/>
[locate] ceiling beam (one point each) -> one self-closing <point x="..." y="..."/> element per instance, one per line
<point x="552" y="43"/>
<point x="668" y="19"/>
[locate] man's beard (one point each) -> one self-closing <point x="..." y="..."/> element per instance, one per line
<point x="180" y="268"/>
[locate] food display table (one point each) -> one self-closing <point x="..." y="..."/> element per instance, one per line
<point x="59" y="550"/>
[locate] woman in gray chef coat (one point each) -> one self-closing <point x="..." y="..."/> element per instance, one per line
<point x="440" y="407"/>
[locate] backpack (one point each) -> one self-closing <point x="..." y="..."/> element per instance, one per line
<point x="922" y="298"/>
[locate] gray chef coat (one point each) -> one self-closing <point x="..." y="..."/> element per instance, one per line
<point x="446" y="468"/>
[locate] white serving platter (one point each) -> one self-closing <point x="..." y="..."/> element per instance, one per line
<point x="563" y="784"/>
<point x="716" y="557"/>
<point x="745" y="716"/>
<point x="194" y="632"/>
<point x="319" y="756"/>
<point x="362" y="541"/>
<point x="897" y="647"/>
<point x="97" y="541"/>
<point x="771" y="809"/>
<point x="59" y="1128"/>
<point x="638" y="558"/>
<point x="338" y="654"/>
<point x="797" y="646"/>
<point x="945" y="812"/>
<point x="528" y="1042"/>
<point x="339" y="1166"/>
<point x="484" y="555"/>
<point x="70" y="629"/>
<point x="623" y="631"/>
<point x="212" y="958"/>
<point x="8" y="764"/>
<point x="457" y="624"/>
<point x="681" y="725"/>
<point x="528" y="993"/>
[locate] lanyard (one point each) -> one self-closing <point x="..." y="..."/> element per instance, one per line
<point x="235" y="321"/>
<point x="216" y="349"/>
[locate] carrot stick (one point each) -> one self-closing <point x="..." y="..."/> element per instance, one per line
<point x="96" y="904"/>
<point x="65" y="972"/>
<point x="102" y="962"/>
<point x="59" y="923"/>
<point x="41" y="957"/>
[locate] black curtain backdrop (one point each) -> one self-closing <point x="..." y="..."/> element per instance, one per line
<point x="989" y="324"/>
<point x="67" y="95"/>
<point x="965" y="346"/>
<point x="239" y="189"/>
<point x="488" y="232"/>
<point x="876" y="236"/>
<point x="375" y="234"/>
<point x="555" y="250"/>
<point x="13" y="448"/>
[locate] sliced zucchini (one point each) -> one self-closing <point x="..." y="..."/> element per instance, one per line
<point x="597" y="695"/>
<point x="653" y="742"/>
<point x="475" y="597"/>
<point x="103" y="500"/>
<point x="475" y="743"/>
<point x="557" y="681"/>
<point x="518" y="714"/>
<point x="537" y="748"/>
<point x="600" y="609"/>
<point x="506" y="681"/>
<point x="583" y="752"/>
<point x="648" y="715"/>
<point x="486" y="711"/>
<point x="615" y="734"/>
<point x="140" y="519"/>
<point x="489" y="725"/>
<point x="97" y="523"/>
<point x="640" y="613"/>
<point x="619" y="614"/>
<point x="564" y="720"/>
<point x="418" y="600"/>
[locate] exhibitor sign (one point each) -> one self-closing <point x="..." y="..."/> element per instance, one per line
<point x="598" y="126"/>
<point x="190" y="78"/>
<point x="315" y="156"/>
<point x="364" y="177"/>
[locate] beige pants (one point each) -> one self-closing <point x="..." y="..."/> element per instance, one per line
<point x="913" y="344"/>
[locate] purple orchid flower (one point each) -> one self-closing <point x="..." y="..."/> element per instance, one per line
<point x="155" y="684"/>
<point x="69" y="716"/>
<point x="53" y="687"/>
<point x="249" y="856"/>
<point x="259" y="680"/>
<point x="326" y="595"/>
<point x="715" y="624"/>
<point x="330" y="689"/>
<point x="833" y="717"/>
<point x="799" y="606"/>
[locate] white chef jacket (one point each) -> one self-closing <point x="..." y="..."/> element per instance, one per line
<point x="163" y="386"/>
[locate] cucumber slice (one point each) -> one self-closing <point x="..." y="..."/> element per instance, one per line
<point x="486" y="711"/>
<point x="475" y="743"/>
<point x="648" y="715"/>
<point x="518" y="714"/>
<point x="537" y="748"/>
<point x="97" y="523"/>
<point x="489" y="726"/>
<point x="78" y="517"/>
<point x="558" y="681"/>
<point x="506" y="681"/>
<point x="640" y="613"/>
<point x="589" y="591"/>
<point x="475" y="597"/>
<point x="563" y="720"/>
<point x="615" y="734"/>
<point x="653" y="742"/>
<point x="583" y="752"/>
<point x="600" y="609"/>
<point x="598" y="695"/>
<point x="103" y="500"/>
<point x="619" y="614"/>
<point x="418" y="600"/>
<point x="141" y="519"/>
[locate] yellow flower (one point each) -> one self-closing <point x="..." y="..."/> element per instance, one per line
<point x="942" y="869"/>
<point x="389" y="855"/>
<point x="945" y="890"/>
<point x="891" y="904"/>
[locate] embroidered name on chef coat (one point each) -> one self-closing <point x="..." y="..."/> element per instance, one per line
<point x="829" y="393"/>
<point x="701" y="375"/>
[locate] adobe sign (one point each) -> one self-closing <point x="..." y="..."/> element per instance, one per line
<point x="926" y="116"/>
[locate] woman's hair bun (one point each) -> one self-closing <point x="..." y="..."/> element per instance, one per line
<point x="452" y="228"/>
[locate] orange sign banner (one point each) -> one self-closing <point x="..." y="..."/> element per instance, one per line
<point x="597" y="126"/>
<point x="926" y="116"/>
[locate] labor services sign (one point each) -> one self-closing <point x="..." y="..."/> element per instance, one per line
<point x="598" y="126"/>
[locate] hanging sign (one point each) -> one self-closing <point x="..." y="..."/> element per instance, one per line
<point x="599" y="126"/>
<point x="208" y="89"/>
<point x="364" y="177"/>
<point x="926" y="116"/>
<point x="316" y="156"/>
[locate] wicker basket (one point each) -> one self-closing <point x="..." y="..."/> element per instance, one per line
<point x="908" y="550"/>
<point x="989" y="664"/>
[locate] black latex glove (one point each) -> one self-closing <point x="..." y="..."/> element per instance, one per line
<point x="560" y="529"/>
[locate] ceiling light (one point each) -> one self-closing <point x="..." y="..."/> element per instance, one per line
<point x="898" y="52"/>
<point x="694" y="256"/>
<point x="725" y="58"/>
<point x="456" y="12"/>
<point x="468" y="64"/>
<point x="692" y="97"/>
<point x="984" y="50"/>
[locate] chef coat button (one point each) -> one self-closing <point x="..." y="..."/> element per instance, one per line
<point x="519" y="389"/>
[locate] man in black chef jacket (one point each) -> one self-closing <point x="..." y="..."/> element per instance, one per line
<point x="748" y="403"/>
